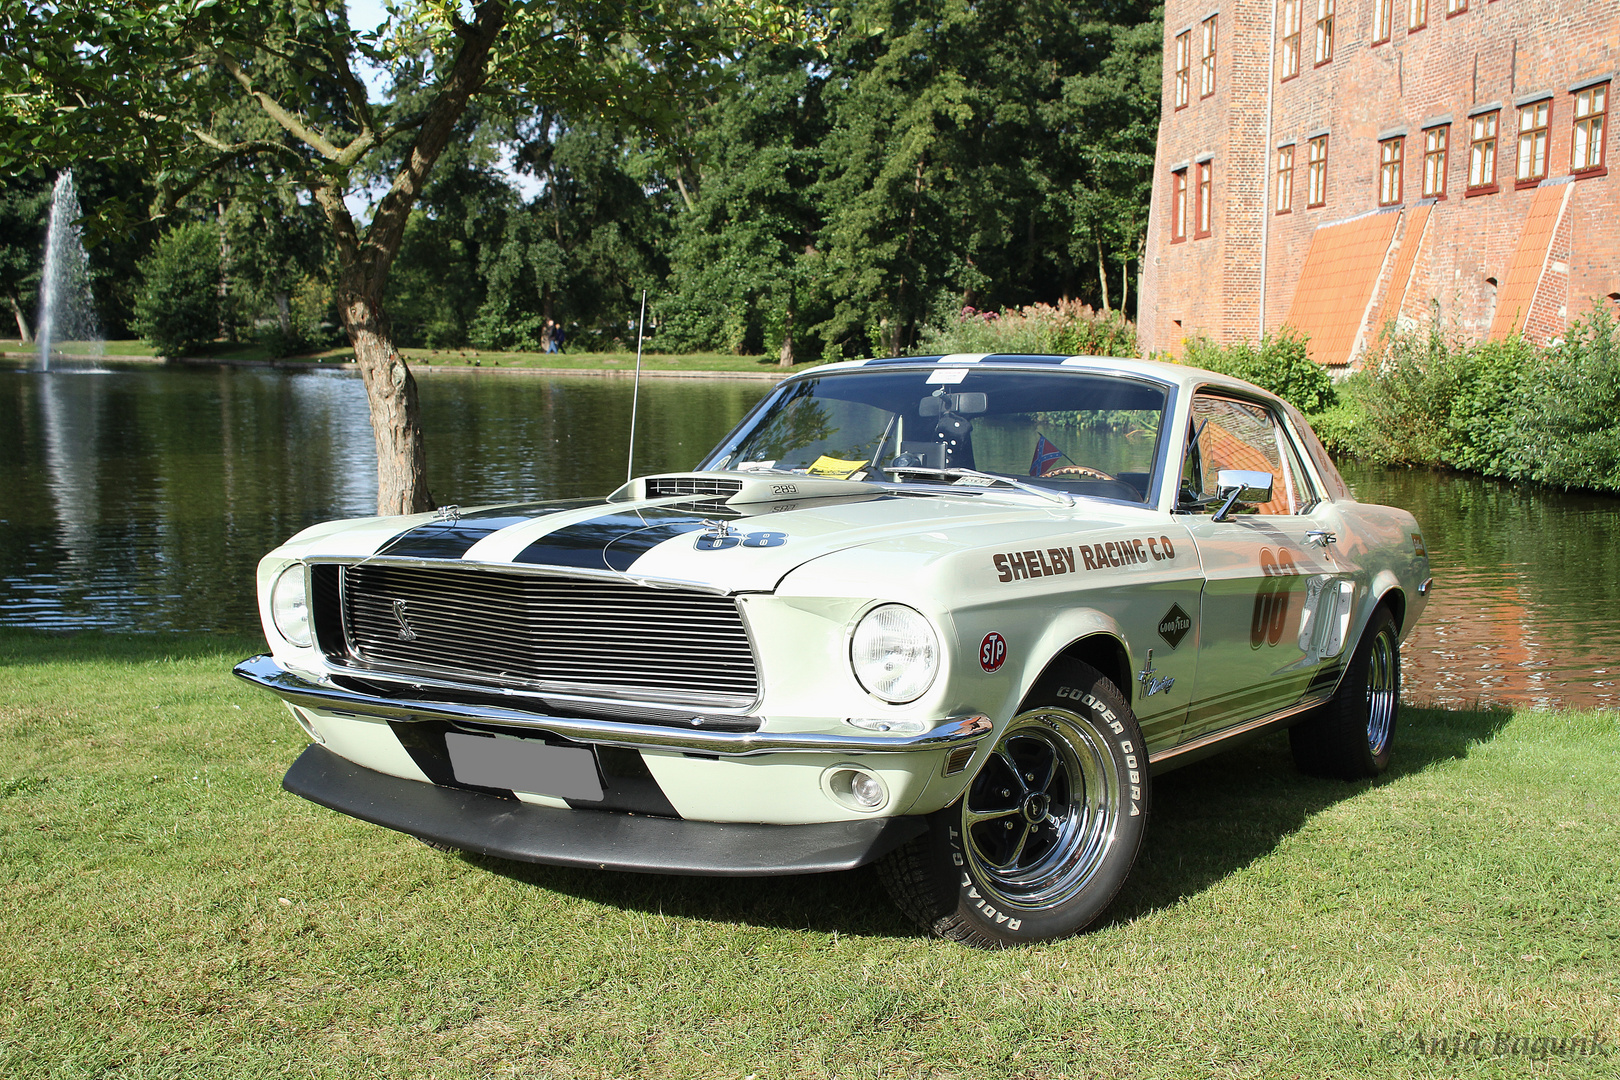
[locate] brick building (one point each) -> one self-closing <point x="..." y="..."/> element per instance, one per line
<point x="1333" y="165"/>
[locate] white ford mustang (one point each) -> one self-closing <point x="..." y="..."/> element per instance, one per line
<point x="944" y="614"/>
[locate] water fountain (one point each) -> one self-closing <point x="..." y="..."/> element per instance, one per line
<point x="66" y="309"/>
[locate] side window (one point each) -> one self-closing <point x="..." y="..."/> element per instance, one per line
<point x="1230" y="434"/>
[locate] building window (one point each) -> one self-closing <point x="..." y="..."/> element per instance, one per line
<point x="1206" y="68"/>
<point x="1417" y="16"/>
<point x="1285" y="179"/>
<point x="1201" y="224"/>
<point x="1434" y="162"/>
<point x="1183" y="65"/>
<point x="1533" y="141"/>
<point x="1383" y="16"/>
<point x="1178" y="206"/>
<point x="1324" y="31"/>
<point x="1586" y="150"/>
<point x="1482" y="152"/>
<point x="1391" y="156"/>
<point x="1455" y="7"/>
<point x="1290" y="38"/>
<point x="1316" y="173"/>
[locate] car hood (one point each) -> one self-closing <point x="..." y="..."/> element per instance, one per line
<point x="746" y="541"/>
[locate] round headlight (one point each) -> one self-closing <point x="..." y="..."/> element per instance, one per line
<point x="289" y="606"/>
<point x="894" y="653"/>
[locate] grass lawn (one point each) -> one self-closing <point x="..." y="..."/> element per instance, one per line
<point x="253" y="351"/>
<point x="166" y="910"/>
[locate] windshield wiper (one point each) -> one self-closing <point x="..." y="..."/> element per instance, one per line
<point x="1061" y="497"/>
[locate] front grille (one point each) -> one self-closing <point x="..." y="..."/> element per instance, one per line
<point x="660" y="487"/>
<point x="548" y="634"/>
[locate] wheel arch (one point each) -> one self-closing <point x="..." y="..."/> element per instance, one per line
<point x="1386" y="591"/>
<point x="1100" y="649"/>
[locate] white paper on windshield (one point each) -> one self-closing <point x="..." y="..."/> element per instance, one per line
<point x="948" y="375"/>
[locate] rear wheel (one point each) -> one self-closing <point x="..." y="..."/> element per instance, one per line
<point x="1046" y="832"/>
<point x="1350" y="736"/>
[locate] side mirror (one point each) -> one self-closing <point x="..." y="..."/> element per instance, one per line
<point x="1240" y="485"/>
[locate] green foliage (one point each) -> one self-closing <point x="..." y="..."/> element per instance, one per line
<point x="1575" y="402"/>
<point x="1500" y="408"/>
<point x="1280" y="365"/>
<point x="308" y="325"/>
<point x="178" y="305"/>
<point x="1068" y="328"/>
<point x="25" y="202"/>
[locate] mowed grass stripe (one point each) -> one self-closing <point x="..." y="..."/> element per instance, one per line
<point x="169" y="911"/>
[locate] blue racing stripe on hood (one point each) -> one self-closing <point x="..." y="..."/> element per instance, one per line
<point x="450" y="539"/>
<point x="614" y="541"/>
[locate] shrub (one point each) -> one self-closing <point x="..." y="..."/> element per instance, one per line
<point x="310" y="323"/>
<point x="1280" y="365"/>
<point x="1407" y="393"/>
<point x="1068" y="328"/>
<point x="177" y="303"/>
<point x="1572" y="438"/>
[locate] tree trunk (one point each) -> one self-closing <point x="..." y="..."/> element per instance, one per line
<point x="226" y="329"/>
<point x="1102" y="274"/>
<point x="1124" y="284"/>
<point x="784" y="358"/>
<point x="396" y="414"/>
<point x="22" y="321"/>
<point x="364" y="261"/>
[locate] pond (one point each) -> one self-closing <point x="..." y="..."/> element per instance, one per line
<point x="141" y="499"/>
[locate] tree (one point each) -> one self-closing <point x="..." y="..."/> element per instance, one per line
<point x="178" y="306"/>
<point x="25" y="201"/>
<point x="744" y="261"/>
<point x="162" y="80"/>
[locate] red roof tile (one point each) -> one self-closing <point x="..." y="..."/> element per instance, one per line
<point x="1337" y="281"/>
<point x="1417" y="220"/>
<point x="1517" y="290"/>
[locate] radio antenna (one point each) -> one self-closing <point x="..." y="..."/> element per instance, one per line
<point x="635" y="392"/>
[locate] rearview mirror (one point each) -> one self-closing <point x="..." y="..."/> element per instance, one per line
<point x="960" y="404"/>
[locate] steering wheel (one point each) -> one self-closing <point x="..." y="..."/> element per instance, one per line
<point x="1079" y="470"/>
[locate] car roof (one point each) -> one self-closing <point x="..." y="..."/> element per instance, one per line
<point x="1160" y="371"/>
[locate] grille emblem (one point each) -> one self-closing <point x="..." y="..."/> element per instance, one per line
<point x="405" y="631"/>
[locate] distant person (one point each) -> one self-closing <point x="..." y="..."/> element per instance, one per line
<point x="558" y="337"/>
<point x="546" y="332"/>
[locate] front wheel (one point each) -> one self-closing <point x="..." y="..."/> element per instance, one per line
<point x="1350" y="736"/>
<point x="1046" y="832"/>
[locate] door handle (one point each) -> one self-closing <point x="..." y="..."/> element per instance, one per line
<point x="1321" y="538"/>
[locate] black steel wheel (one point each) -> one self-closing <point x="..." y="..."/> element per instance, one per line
<point x="1047" y="830"/>
<point x="1350" y="737"/>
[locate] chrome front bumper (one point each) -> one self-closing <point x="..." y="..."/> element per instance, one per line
<point x="263" y="671"/>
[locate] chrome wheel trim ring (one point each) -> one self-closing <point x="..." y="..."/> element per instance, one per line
<point x="1034" y="838"/>
<point x="1383" y="689"/>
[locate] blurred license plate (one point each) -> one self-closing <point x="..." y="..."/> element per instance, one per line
<point x="565" y="772"/>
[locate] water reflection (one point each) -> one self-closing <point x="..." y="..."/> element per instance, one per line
<point x="142" y="499"/>
<point x="1526" y="602"/>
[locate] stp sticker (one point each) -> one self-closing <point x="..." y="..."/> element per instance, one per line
<point x="992" y="651"/>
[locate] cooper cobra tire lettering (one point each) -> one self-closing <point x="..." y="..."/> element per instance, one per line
<point x="1047" y="830"/>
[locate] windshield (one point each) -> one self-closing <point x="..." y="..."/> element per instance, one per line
<point x="1084" y="433"/>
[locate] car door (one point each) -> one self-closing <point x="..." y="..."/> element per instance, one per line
<point x="1275" y="598"/>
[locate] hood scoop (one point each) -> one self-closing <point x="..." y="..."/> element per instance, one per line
<point x="746" y="489"/>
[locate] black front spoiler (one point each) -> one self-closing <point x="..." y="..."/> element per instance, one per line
<point x="598" y="839"/>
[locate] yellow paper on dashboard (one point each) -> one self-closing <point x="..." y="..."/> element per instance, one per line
<point x="836" y="468"/>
